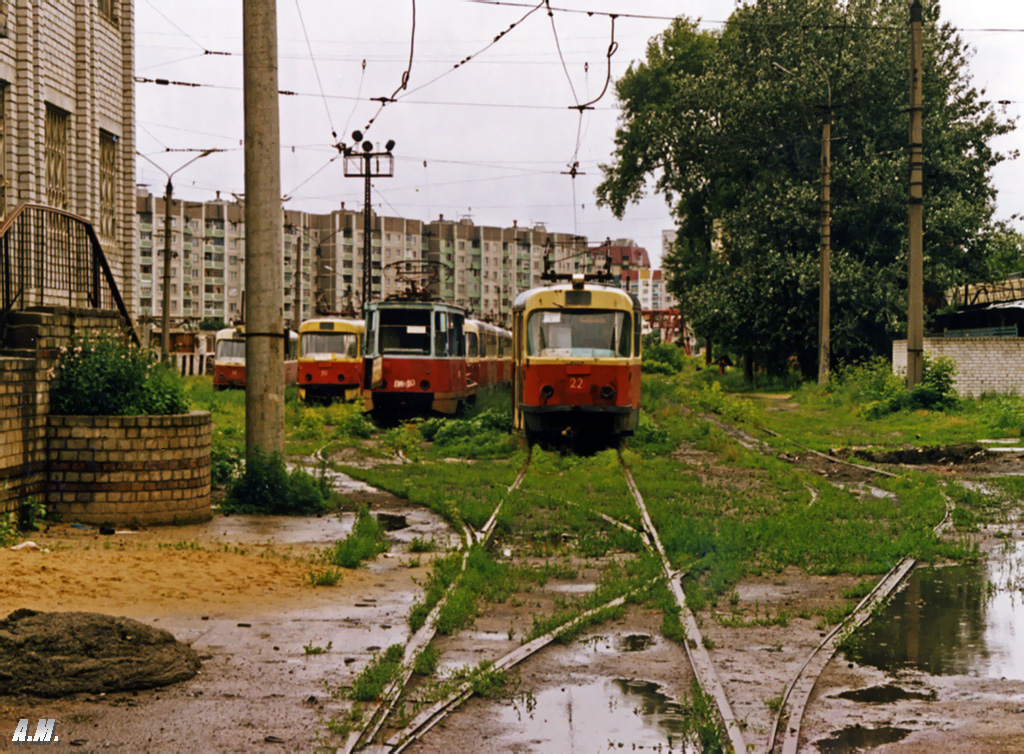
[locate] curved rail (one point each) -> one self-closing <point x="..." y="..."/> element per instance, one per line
<point x="419" y="640"/>
<point x="697" y="653"/>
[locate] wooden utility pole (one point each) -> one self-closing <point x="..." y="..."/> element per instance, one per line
<point x="915" y="246"/>
<point x="264" y="231"/>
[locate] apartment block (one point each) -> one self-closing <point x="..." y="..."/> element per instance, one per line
<point x="482" y="268"/>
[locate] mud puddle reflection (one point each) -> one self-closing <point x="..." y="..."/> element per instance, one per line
<point x="604" y="715"/>
<point x="857" y="738"/>
<point x="956" y="620"/>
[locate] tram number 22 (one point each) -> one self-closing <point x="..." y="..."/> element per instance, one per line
<point x="576" y="383"/>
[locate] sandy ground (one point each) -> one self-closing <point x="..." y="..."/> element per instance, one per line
<point x="237" y="588"/>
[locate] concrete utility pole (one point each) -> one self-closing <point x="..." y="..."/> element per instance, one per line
<point x="165" y="334"/>
<point x="915" y="246"/>
<point x="825" y="234"/>
<point x="264" y="224"/>
<point x="368" y="165"/>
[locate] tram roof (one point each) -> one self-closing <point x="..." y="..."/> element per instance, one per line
<point x="601" y="297"/>
<point x="346" y="324"/>
<point x="416" y="304"/>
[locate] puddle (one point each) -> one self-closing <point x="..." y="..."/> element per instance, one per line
<point x="634" y="642"/>
<point x="573" y="588"/>
<point x="885" y="695"/>
<point x="392" y="521"/>
<point x="856" y="737"/>
<point x="957" y="620"/>
<point x="606" y="715"/>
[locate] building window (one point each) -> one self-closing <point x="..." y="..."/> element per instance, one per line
<point x="56" y="138"/>
<point x="107" y="10"/>
<point x="108" y="185"/>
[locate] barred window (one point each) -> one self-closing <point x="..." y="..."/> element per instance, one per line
<point x="107" y="10"/>
<point x="56" y="137"/>
<point x="108" y="185"/>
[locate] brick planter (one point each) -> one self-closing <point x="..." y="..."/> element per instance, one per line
<point x="123" y="470"/>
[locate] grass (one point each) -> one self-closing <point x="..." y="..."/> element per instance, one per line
<point x="310" y="649"/>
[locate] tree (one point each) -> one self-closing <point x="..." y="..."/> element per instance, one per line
<point x="727" y="126"/>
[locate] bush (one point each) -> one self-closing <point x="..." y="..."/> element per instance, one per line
<point x="882" y="393"/>
<point x="366" y="542"/>
<point x="225" y="460"/>
<point x="664" y="355"/>
<point x="105" y="376"/>
<point x="265" y="486"/>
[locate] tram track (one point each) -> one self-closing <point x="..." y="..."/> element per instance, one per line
<point x="360" y="737"/>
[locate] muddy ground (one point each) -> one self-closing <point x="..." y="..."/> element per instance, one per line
<point x="237" y="589"/>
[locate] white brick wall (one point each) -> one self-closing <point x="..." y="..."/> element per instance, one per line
<point x="983" y="365"/>
<point x="65" y="53"/>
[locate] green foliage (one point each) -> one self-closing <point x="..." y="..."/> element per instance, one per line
<point x="745" y="261"/>
<point x="366" y="542"/>
<point x="327" y="577"/>
<point x="309" y="649"/>
<point x="663" y="358"/>
<point x="425" y="663"/>
<point x="886" y="394"/>
<point x="32" y="512"/>
<point x="265" y="486"/>
<point x="379" y="672"/>
<point x="8" y="530"/>
<point x="106" y="376"/>
<point x="1003" y="413"/>
<point x="485" y="435"/>
<point x="226" y="461"/>
<point x="212" y="323"/>
<point x="349" y="421"/>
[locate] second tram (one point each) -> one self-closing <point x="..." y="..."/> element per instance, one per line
<point x="415" y="357"/>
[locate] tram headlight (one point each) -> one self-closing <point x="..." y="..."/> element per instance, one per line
<point x="309" y="377"/>
<point x="546" y="392"/>
<point x="424" y="385"/>
<point x="608" y="392"/>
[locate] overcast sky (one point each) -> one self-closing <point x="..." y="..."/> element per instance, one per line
<point x="490" y="139"/>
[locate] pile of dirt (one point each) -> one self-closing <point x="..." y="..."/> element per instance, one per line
<point x="56" y="654"/>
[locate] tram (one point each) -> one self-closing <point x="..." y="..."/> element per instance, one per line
<point x="229" y="358"/>
<point x="488" y="354"/>
<point x="576" y="360"/>
<point x="330" y="363"/>
<point x="415" y="357"/>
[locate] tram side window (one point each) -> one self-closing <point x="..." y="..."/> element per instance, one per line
<point x="472" y="348"/>
<point x="448" y="336"/>
<point x="584" y="334"/>
<point x="370" y="338"/>
<point x="405" y="331"/>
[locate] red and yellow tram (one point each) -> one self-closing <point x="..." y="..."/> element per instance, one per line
<point x="576" y="360"/>
<point x="415" y="357"/>
<point x="229" y="358"/>
<point x="330" y="363"/>
<point x="488" y="354"/>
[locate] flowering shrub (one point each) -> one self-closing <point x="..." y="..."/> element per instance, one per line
<point x="104" y="376"/>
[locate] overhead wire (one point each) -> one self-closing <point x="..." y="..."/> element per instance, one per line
<point x="405" y="74"/>
<point x="316" y="70"/>
<point x="201" y="46"/>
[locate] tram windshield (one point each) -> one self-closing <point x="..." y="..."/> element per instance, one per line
<point x="325" y="345"/>
<point x="405" y="331"/>
<point x="231" y="349"/>
<point x="581" y="333"/>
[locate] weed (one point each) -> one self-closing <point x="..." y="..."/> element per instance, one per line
<point x="425" y="663"/>
<point x="312" y="650"/>
<point x="265" y="486"/>
<point x="861" y="589"/>
<point x="327" y="577"/>
<point x="774" y="704"/>
<point x="422" y="544"/>
<point x="8" y="530"/>
<point x="347" y="723"/>
<point x="32" y="512"/>
<point x="379" y="672"/>
<point x="366" y="542"/>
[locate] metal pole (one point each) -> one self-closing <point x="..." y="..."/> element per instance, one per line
<point x="915" y="211"/>
<point x="264" y="342"/>
<point x="367" y="239"/>
<point x="165" y="336"/>
<point x="824" y="314"/>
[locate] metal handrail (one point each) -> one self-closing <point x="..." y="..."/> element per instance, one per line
<point x="47" y="253"/>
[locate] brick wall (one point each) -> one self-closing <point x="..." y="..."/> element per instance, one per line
<point x="22" y="433"/>
<point x="130" y="470"/>
<point x="984" y="365"/>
